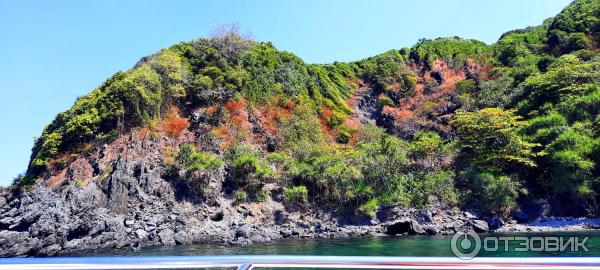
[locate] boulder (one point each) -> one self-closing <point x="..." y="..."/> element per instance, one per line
<point x="495" y="222"/>
<point x="521" y="216"/>
<point x="244" y="231"/>
<point x="432" y="229"/>
<point x="286" y="232"/>
<point x="141" y="234"/>
<point x="51" y="250"/>
<point x="479" y="225"/>
<point x="167" y="237"/>
<point x="217" y="216"/>
<point x="183" y="238"/>
<point x="470" y="215"/>
<point x="405" y="226"/>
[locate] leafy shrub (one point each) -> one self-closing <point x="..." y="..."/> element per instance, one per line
<point x="429" y="151"/>
<point x="385" y="101"/>
<point x="240" y="196"/>
<point x="389" y="72"/>
<point x="454" y="50"/>
<point x="192" y="170"/>
<point x="570" y="163"/>
<point x="344" y="134"/>
<point x="544" y="129"/>
<point x="465" y="86"/>
<point x="204" y="162"/>
<point x="559" y="83"/>
<point x="370" y="207"/>
<point x="489" y="140"/>
<point x="296" y="195"/>
<point x="498" y="193"/>
<point x="500" y="93"/>
<point x="184" y="156"/>
<point x="436" y="183"/>
<point x="248" y="167"/>
<point x="248" y="171"/>
<point x="492" y="155"/>
<point x="333" y="118"/>
<point x="298" y="134"/>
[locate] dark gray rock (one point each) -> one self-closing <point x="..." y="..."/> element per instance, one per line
<point x="438" y="76"/>
<point x="245" y="231"/>
<point x="521" y="216"/>
<point x="404" y="226"/>
<point x="433" y="229"/>
<point x="286" y="232"/>
<point x="495" y="222"/>
<point x="479" y="225"/>
<point x="183" y="238"/>
<point x="51" y="250"/>
<point x="217" y="216"/>
<point x="244" y="211"/>
<point x="167" y="237"/>
<point x="427" y="216"/>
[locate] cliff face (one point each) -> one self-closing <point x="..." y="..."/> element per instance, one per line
<point x="233" y="141"/>
<point x="133" y="207"/>
<point x="128" y="192"/>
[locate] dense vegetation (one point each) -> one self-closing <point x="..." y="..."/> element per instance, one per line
<point x="526" y="125"/>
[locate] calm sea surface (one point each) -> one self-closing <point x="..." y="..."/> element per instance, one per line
<point x="372" y="246"/>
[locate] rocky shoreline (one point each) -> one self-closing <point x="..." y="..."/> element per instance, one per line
<point x="44" y="223"/>
<point x="133" y="206"/>
<point x="552" y="224"/>
<point x="41" y="222"/>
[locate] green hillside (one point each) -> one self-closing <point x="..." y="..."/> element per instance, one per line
<point x="490" y="127"/>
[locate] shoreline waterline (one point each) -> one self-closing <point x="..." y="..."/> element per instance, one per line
<point x="405" y="245"/>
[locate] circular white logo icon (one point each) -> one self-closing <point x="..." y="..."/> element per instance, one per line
<point x="465" y="245"/>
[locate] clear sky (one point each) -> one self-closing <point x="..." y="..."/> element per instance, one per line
<point x="54" y="51"/>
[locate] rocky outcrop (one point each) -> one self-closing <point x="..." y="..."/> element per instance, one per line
<point x="45" y="222"/>
<point x="479" y="225"/>
<point x="404" y="226"/>
<point x="119" y="198"/>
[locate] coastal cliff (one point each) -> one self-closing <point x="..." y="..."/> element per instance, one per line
<point x="231" y="141"/>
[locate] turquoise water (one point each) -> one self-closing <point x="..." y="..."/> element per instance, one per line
<point x="371" y="246"/>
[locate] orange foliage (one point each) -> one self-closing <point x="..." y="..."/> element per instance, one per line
<point x="212" y="109"/>
<point x="268" y="117"/>
<point x="484" y="75"/>
<point x="56" y="178"/>
<point x="289" y="104"/>
<point x="352" y="122"/>
<point x="225" y="135"/>
<point x="327" y="113"/>
<point x="239" y="114"/>
<point x="241" y="122"/>
<point x="394" y="86"/>
<point x="142" y="133"/>
<point x="234" y="106"/>
<point x="174" y="126"/>
<point x="397" y="114"/>
<point x="328" y="131"/>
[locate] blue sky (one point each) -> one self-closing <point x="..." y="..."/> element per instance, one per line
<point x="54" y="51"/>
